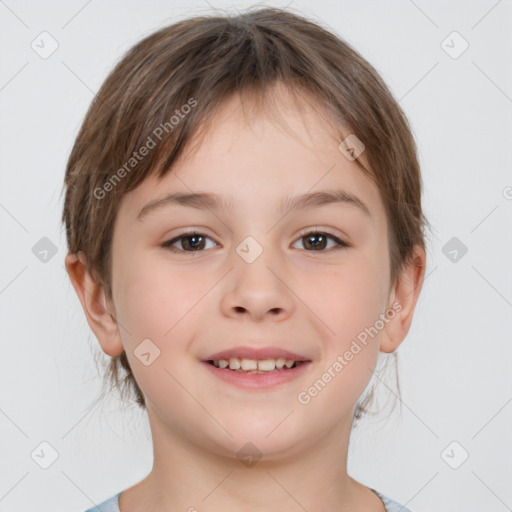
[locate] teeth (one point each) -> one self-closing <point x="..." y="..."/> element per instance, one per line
<point x="247" y="364"/>
<point x="280" y="363"/>
<point x="234" y="364"/>
<point x="266" y="365"/>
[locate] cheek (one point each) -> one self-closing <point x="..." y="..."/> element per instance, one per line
<point x="349" y="307"/>
<point x="157" y="303"/>
<point x="348" y="299"/>
<point x="154" y="297"/>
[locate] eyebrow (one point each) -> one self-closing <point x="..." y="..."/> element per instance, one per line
<point x="208" y="201"/>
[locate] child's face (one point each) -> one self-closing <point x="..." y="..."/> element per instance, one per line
<point x="194" y="303"/>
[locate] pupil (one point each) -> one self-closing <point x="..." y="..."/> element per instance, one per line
<point x="320" y="244"/>
<point x="192" y="237"/>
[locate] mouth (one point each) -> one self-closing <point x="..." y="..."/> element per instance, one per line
<point x="253" y="366"/>
<point x="259" y="368"/>
<point x="242" y="353"/>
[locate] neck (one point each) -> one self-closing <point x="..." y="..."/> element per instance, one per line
<point x="187" y="476"/>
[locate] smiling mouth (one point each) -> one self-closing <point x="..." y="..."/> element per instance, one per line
<point x="251" y="366"/>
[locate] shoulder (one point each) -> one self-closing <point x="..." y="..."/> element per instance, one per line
<point x="110" y="505"/>
<point x="391" y="506"/>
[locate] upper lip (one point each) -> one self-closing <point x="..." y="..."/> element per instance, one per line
<point x="246" y="352"/>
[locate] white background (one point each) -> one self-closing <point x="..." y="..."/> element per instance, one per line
<point x="455" y="365"/>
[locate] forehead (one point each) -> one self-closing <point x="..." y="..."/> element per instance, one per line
<point x="295" y="112"/>
<point x="289" y="148"/>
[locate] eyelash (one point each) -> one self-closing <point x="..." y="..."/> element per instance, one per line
<point x="340" y="243"/>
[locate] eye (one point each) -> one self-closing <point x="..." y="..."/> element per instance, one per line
<point x="191" y="242"/>
<point x="195" y="242"/>
<point x="318" y="240"/>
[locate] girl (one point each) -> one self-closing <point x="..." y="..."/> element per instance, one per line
<point x="270" y="146"/>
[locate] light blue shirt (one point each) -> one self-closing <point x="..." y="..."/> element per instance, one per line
<point x="112" y="504"/>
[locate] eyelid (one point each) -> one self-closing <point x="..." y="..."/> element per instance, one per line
<point x="340" y="240"/>
<point x="168" y="243"/>
<point x="321" y="230"/>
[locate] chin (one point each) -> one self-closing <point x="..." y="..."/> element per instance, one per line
<point x="269" y="439"/>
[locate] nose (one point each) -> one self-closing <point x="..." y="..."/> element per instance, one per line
<point x="258" y="291"/>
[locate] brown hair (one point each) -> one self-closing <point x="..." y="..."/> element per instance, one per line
<point x="171" y="83"/>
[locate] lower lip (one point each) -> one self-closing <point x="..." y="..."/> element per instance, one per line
<point x="257" y="380"/>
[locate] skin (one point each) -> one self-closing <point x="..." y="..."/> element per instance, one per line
<point x="192" y="304"/>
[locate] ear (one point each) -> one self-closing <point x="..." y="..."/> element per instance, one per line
<point x="402" y="301"/>
<point x="100" y="314"/>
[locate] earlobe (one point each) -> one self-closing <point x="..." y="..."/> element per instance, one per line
<point x="94" y="302"/>
<point x="402" y="302"/>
